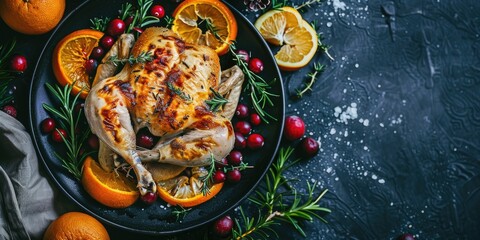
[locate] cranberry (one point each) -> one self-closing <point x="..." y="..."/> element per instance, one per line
<point x="241" y="111"/>
<point x="244" y="56"/>
<point x="91" y="66"/>
<point x="222" y="227"/>
<point x="93" y="142"/>
<point x="145" y="139"/>
<point x="10" y="110"/>
<point x="240" y="141"/>
<point x="18" y="63"/>
<point x="255" y="141"/>
<point x="149" y="198"/>
<point x="107" y="42"/>
<point x="139" y="30"/>
<point x="294" y="128"/>
<point x="234" y="176"/>
<point x="221" y="164"/>
<point x="309" y="147"/>
<point x="128" y="21"/>
<point x="116" y="27"/>
<point x="406" y="236"/>
<point x="255" y="119"/>
<point x="243" y="127"/>
<point x="219" y="176"/>
<point x="48" y="125"/>
<point x="157" y="11"/>
<point x="97" y="53"/>
<point x="56" y="137"/>
<point x="255" y="65"/>
<point x="235" y="158"/>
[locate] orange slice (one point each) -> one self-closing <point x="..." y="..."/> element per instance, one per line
<point x="109" y="188"/>
<point x="297" y="38"/>
<point x="69" y="59"/>
<point x="186" y="191"/>
<point x="205" y="22"/>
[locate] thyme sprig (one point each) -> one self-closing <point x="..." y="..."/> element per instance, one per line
<point x="5" y="74"/>
<point x="240" y="167"/>
<point x="180" y="212"/>
<point x="208" y="178"/>
<point x="178" y="92"/>
<point x="321" y="46"/>
<point x="73" y="159"/>
<point x="99" y="24"/>
<point x="274" y="207"/>
<point x="141" y="16"/>
<point x="143" y="57"/>
<point x="318" y="68"/>
<point x="168" y="21"/>
<point x="256" y="86"/>
<point x="307" y="4"/>
<point x="217" y="101"/>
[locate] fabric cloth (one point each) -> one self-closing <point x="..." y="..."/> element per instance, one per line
<point x="27" y="200"/>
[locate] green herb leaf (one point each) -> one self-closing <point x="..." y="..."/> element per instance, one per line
<point x="217" y="101"/>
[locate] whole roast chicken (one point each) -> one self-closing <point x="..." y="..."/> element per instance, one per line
<point x="168" y="96"/>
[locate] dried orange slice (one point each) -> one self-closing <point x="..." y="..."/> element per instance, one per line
<point x="186" y="191"/>
<point x="69" y="59"/>
<point x="109" y="188"/>
<point x="297" y="38"/>
<point x="205" y="22"/>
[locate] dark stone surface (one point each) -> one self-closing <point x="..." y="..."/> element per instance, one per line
<point x="409" y="159"/>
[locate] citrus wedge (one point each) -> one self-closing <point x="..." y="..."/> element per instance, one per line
<point x="109" y="188"/>
<point x="205" y="22"/>
<point x="273" y="24"/>
<point x="186" y="191"/>
<point x="69" y="59"/>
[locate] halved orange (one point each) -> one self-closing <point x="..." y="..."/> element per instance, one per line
<point x="186" y="191"/>
<point x="109" y="188"/>
<point x="205" y="22"/>
<point x="297" y="38"/>
<point x="69" y="59"/>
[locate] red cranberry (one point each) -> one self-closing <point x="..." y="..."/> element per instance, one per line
<point x="139" y="30"/>
<point x="97" y="53"/>
<point x="219" y="176"/>
<point x="234" y="176"/>
<point x="220" y="165"/>
<point x="93" y="142"/>
<point x="255" y="65"/>
<point x="56" y="137"/>
<point x="128" y="21"/>
<point x="244" y="56"/>
<point x="10" y="110"/>
<point x="255" y="119"/>
<point x="222" y="227"/>
<point x="149" y="198"/>
<point x="48" y="125"/>
<point x="241" y="111"/>
<point x="294" y="128"/>
<point x="255" y="141"/>
<point x="406" y="236"/>
<point x="107" y="42"/>
<point x="157" y="11"/>
<point x="91" y="66"/>
<point x="18" y="63"/>
<point x="240" y="141"/>
<point x="235" y="158"/>
<point x="116" y="27"/>
<point x="309" y="147"/>
<point x="243" y="127"/>
<point x="145" y="140"/>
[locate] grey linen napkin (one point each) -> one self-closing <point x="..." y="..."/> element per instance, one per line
<point x="28" y="203"/>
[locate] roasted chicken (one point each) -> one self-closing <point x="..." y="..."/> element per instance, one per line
<point x="168" y="96"/>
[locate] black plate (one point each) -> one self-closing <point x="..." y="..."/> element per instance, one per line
<point x="155" y="219"/>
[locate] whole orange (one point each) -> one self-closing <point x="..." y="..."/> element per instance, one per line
<point x="76" y="225"/>
<point x="32" y="16"/>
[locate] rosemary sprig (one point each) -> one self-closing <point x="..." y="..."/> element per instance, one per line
<point x="168" y="21"/>
<point x="180" y="212"/>
<point x="179" y="92"/>
<point x="141" y="16"/>
<point x="5" y="75"/>
<point x="274" y="207"/>
<point x="321" y="46"/>
<point x="307" y="4"/>
<point x="73" y="159"/>
<point x="318" y="68"/>
<point x="126" y="11"/>
<point x="240" y="167"/>
<point x="257" y="86"/>
<point x="143" y="57"/>
<point x="99" y="24"/>
<point x="208" y="178"/>
<point x="217" y="101"/>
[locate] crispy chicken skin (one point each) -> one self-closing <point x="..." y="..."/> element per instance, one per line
<point x="166" y="95"/>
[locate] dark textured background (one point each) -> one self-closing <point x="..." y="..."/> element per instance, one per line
<point x="409" y="159"/>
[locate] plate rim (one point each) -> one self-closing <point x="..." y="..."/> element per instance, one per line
<point x="70" y="197"/>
